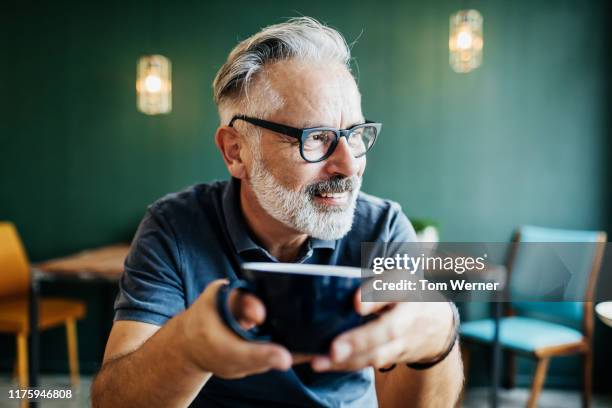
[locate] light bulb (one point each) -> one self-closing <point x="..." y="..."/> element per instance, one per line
<point x="464" y="40"/>
<point x="153" y="83"/>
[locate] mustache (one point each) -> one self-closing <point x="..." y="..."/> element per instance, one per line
<point x="337" y="184"/>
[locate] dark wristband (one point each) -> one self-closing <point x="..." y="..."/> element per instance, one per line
<point x="451" y="346"/>
<point x="387" y="369"/>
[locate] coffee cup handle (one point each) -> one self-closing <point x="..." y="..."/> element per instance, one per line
<point x="254" y="334"/>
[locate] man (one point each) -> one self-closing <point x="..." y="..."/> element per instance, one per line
<point x="293" y="197"/>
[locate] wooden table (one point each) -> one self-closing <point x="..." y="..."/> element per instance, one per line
<point x="98" y="264"/>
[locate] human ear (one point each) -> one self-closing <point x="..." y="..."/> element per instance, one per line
<point x="230" y="144"/>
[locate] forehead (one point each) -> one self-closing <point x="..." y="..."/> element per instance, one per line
<point x="314" y="94"/>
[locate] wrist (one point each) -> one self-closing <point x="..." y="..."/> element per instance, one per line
<point x="432" y="332"/>
<point x="450" y="342"/>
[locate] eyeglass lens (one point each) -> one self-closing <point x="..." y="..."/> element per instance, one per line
<point x="319" y="142"/>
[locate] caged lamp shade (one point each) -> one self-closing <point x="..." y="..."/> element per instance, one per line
<point x="154" y="85"/>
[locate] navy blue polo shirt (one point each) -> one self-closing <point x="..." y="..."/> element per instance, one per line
<point x="190" y="238"/>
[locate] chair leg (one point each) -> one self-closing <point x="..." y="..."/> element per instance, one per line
<point x="73" y="359"/>
<point x="538" y="381"/>
<point x="22" y="360"/>
<point x="587" y="360"/>
<point x="510" y="362"/>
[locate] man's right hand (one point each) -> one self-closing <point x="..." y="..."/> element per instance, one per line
<point x="214" y="348"/>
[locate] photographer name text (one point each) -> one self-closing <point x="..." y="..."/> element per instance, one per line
<point x="425" y="285"/>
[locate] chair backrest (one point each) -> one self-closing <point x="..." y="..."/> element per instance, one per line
<point x="581" y="267"/>
<point x="14" y="265"/>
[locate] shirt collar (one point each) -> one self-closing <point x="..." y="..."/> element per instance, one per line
<point x="237" y="228"/>
<point x="322" y="243"/>
<point x="236" y="225"/>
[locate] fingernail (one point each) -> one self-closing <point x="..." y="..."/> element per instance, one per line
<point x="342" y="350"/>
<point x="321" y="363"/>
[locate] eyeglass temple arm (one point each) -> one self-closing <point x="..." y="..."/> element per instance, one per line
<point x="275" y="127"/>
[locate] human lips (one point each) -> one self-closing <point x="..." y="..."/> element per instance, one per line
<point x="332" y="198"/>
<point x="336" y="192"/>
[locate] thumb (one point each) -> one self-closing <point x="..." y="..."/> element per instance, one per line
<point x="270" y="356"/>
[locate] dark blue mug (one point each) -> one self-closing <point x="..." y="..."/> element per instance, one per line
<point x="307" y="306"/>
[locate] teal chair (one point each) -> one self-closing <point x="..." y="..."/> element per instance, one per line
<point x="543" y="330"/>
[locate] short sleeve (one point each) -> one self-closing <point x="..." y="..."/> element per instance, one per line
<point x="400" y="228"/>
<point x="402" y="236"/>
<point x="151" y="289"/>
<point x="393" y="232"/>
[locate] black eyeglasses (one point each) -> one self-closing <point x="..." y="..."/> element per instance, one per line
<point x="318" y="143"/>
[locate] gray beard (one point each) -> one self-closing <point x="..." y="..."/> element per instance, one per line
<point x="298" y="210"/>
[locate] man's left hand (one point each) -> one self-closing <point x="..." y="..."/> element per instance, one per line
<point x="404" y="332"/>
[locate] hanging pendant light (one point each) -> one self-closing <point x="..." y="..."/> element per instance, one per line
<point x="154" y="85"/>
<point x="465" y="42"/>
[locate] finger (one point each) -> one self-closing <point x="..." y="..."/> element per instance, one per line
<point x="248" y="309"/>
<point x="366" y="308"/>
<point x="300" y="358"/>
<point x="271" y="356"/>
<point x="380" y="356"/>
<point x="257" y="358"/>
<point x="321" y="363"/>
<point x="254" y="362"/>
<point x="388" y="327"/>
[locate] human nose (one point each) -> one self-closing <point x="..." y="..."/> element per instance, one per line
<point x="342" y="161"/>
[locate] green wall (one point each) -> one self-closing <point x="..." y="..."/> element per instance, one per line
<point x="523" y="139"/>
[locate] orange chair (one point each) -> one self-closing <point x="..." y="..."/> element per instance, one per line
<point x="14" y="291"/>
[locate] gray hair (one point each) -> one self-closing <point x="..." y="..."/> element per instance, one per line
<point x="301" y="37"/>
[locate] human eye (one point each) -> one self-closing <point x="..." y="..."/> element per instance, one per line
<point x="318" y="139"/>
